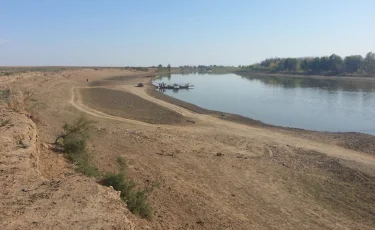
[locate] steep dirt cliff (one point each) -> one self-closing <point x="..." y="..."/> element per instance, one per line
<point x="39" y="191"/>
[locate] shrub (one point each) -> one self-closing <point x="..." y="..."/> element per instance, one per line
<point x="74" y="144"/>
<point x="137" y="203"/>
<point x="121" y="162"/>
<point x="119" y="183"/>
<point x="136" y="200"/>
<point x="82" y="161"/>
<point x="79" y="127"/>
<point x="74" y="139"/>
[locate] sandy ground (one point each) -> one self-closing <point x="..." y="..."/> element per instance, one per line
<point x="210" y="173"/>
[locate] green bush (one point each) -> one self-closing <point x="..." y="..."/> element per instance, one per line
<point x="75" y="150"/>
<point x="74" y="144"/>
<point x="78" y="127"/>
<point x="74" y="140"/>
<point x="121" y="162"/>
<point x="83" y="165"/>
<point x="136" y="200"/>
<point x="119" y="183"/>
<point x="137" y="203"/>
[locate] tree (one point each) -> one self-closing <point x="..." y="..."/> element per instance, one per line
<point x="336" y="63"/>
<point x="291" y="64"/>
<point x="369" y="63"/>
<point x="305" y="65"/>
<point x="315" y="65"/>
<point x="324" y="64"/>
<point x="353" y="63"/>
<point x="331" y="65"/>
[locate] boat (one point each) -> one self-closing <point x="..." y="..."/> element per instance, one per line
<point x="174" y="86"/>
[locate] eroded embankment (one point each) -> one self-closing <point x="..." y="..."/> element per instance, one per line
<point x="30" y="199"/>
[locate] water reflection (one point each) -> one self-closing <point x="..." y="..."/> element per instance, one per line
<point x="164" y="90"/>
<point x="327" y="84"/>
<point x="315" y="104"/>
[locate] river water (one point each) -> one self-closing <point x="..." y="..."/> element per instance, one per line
<point x="314" y="104"/>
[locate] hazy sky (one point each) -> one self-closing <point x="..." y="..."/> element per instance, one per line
<point x="152" y="32"/>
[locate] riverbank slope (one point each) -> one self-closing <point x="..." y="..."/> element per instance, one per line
<point x="208" y="172"/>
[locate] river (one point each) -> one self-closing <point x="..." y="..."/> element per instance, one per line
<point x="313" y="104"/>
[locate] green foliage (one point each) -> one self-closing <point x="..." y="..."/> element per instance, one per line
<point x="222" y="69"/>
<point x="74" y="140"/>
<point x="169" y="68"/>
<point x="74" y="143"/>
<point x="290" y="64"/>
<point x="82" y="162"/>
<point x="121" y="162"/>
<point x="369" y="63"/>
<point x="79" y="128"/>
<point x="332" y="65"/>
<point x="138" y="204"/>
<point x="75" y="149"/>
<point x="145" y="69"/>
<point x="136" y="200"/>
<point x="305" y="65"/>
<point x="120" y="183"/>
<point x="353" y="63"/>
<point x="323" y="64"/>
<point x="336" y="64"/>
<point x="315" y="65"/>
<point x="160" y="67"/>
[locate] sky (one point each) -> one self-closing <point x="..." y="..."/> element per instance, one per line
<point x="193" y="32"/>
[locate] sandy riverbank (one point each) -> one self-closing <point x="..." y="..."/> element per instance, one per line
<point x="356" y="141"/>
<point x="211" y="173"/>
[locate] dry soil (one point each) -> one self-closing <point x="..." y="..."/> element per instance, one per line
<point x="208" y="173"/>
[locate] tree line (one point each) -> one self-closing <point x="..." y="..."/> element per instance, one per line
<point x="326" y="65"/>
